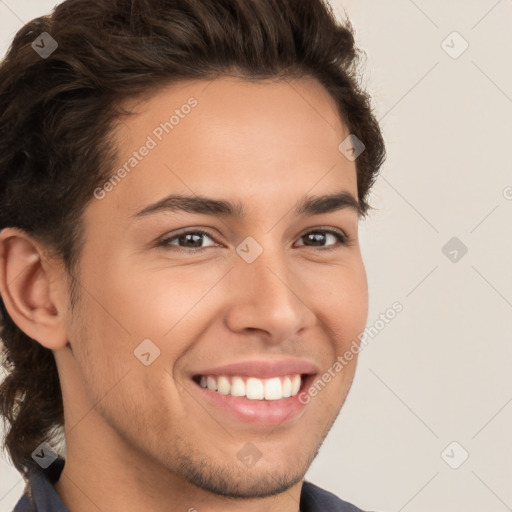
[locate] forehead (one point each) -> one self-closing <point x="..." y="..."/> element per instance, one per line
<point x="231" y="139"/>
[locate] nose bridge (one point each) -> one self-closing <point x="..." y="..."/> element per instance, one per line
<point x="269" y="273"/>
<point x="266" y="261"/>
<point x="268" y="298"/>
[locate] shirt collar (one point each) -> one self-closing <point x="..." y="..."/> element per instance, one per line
<point x="40" y="494"/>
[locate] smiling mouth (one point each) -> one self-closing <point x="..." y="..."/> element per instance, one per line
<point x="260" y="402"/>
<point x="253" y="388"/>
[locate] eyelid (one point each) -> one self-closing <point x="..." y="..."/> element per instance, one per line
<point x="185" y="231"/>
<point x="328" y="229"/>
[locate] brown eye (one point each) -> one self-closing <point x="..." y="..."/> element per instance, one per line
<point x="319" y="237"/>
<point x="191" y="241"/>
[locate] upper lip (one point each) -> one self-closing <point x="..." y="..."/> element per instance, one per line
<point x="262" y="369"/>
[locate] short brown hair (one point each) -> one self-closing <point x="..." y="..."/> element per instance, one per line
<point x="57" y="115"/>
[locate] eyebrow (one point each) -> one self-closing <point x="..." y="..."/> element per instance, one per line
<point x="307" y="206"/>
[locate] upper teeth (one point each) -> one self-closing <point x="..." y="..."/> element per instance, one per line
<point x="253" y="388"/>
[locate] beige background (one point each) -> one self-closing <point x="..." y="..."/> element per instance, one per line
<point x="440" y="371"/>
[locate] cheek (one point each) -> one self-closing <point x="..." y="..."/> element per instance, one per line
<point x="339" y="297"/>
<point x="342" y="310"/>
<point x="111" y="319"/>
<point x="116" y="380"/>
<point x="158" y="299"/>
<point x="122" y="311"/>
<point x="353" y="302"/>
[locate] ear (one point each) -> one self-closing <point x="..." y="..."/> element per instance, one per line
<point x="33" y="289"/>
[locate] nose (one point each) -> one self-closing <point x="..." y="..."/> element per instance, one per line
<point x="269" y="296"/>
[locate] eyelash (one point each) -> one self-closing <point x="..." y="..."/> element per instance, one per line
<point x="341" y="238"/>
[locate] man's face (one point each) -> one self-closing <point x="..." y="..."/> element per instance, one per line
<point x="291" y="291"/>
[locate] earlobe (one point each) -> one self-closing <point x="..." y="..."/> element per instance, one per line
<point x="26" y="278"/>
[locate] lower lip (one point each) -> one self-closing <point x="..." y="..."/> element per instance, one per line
<point x="257" y="412"/>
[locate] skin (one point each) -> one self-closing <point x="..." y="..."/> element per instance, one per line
<point x="136" y="429"/>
